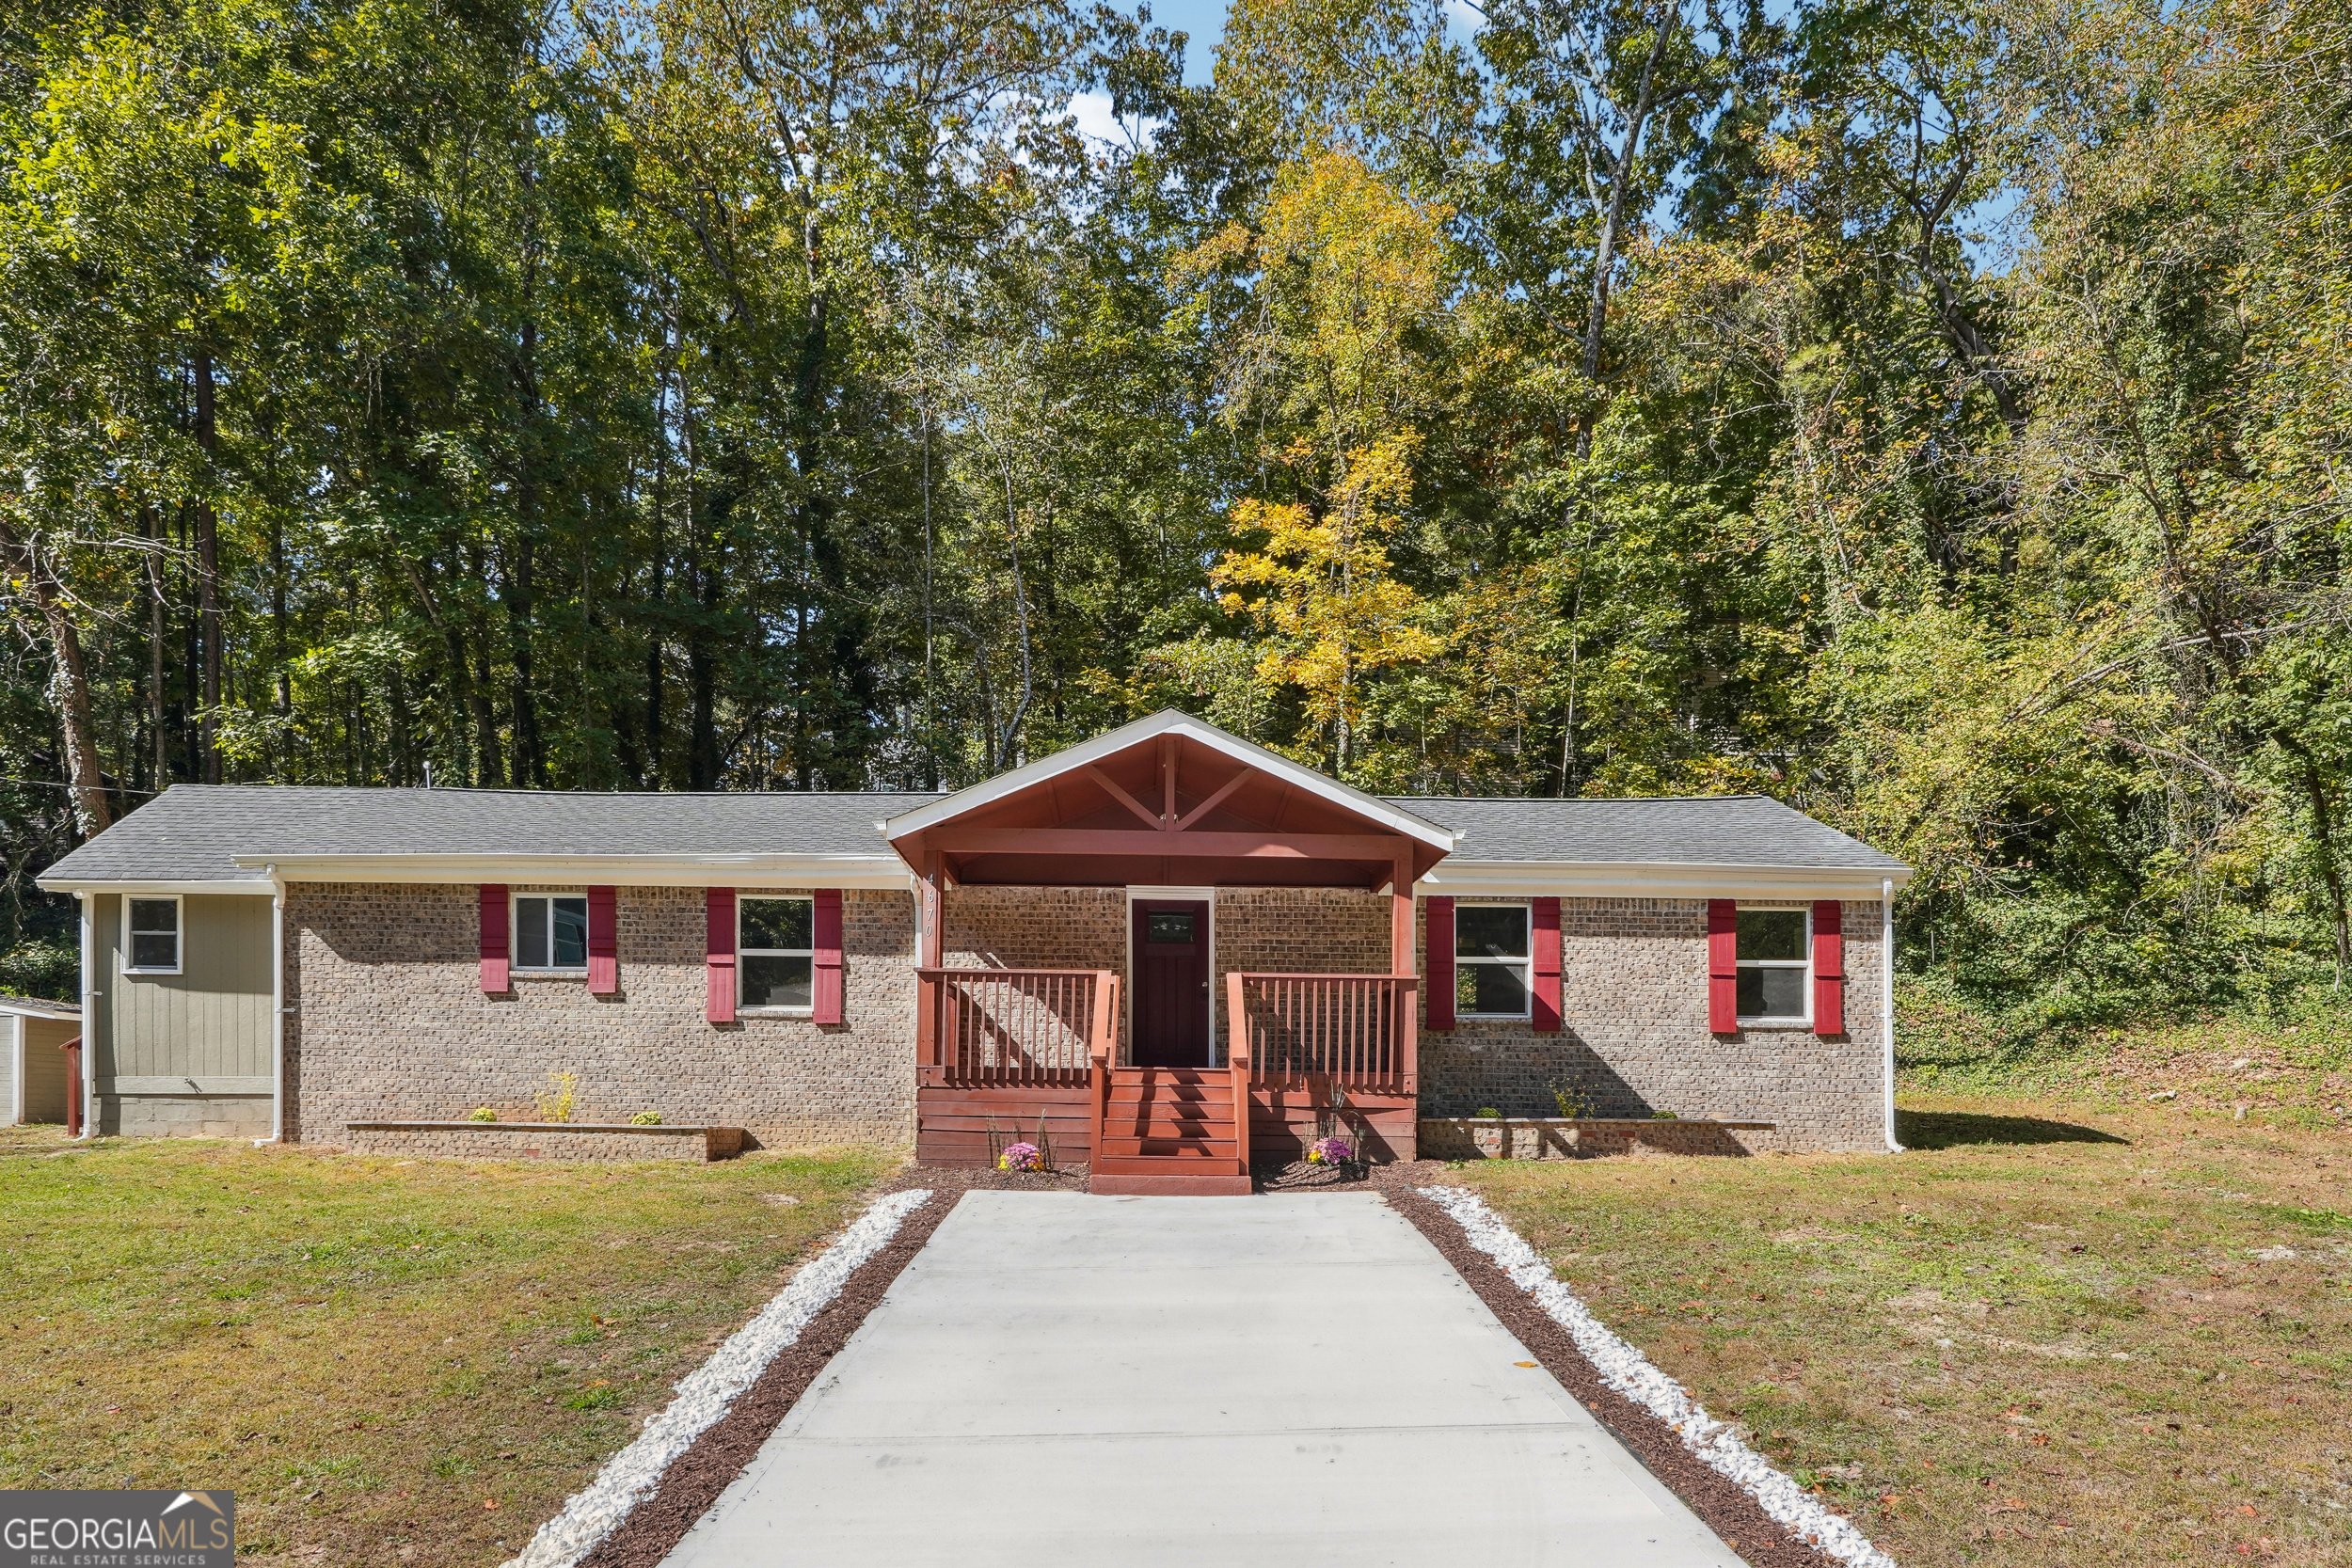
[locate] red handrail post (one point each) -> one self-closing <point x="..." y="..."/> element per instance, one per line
<point x="927" y="991"/>
<point x="1237" y="1064"/>
<point x="1102" y="1028"/>
<point x="72" y="1050"/>
<point x="1407" y="1032"/>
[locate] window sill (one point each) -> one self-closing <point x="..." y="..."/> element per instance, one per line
<point x="1787" y="1023"/>
<point x="1494" y="1018"/>
<point x="548" y="974"/>
<point x="148" y="973"/>
<point x="775" y="1012"/>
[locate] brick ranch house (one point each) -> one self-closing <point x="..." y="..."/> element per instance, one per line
<point x="1123" y="942"/>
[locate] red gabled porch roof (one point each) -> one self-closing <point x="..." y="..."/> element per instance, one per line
<point x="1168" y="799"/>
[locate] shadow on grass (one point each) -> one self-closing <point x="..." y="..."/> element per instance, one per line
<point x="1958" y="1128"/>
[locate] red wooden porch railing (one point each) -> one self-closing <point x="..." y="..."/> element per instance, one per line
<point x="1237" y="1059"/>
<point x="1353" y="1030"/>
<point x="1013" y="1028"/>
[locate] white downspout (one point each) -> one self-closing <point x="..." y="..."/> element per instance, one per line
<point x="1886" y="1000"/>
<point x="277" y="1008"/>
<point x="89" y="1022"/>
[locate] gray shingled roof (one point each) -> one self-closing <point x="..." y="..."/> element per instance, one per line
<point x="192" y="832"/>
<point x="1717" y="829"/>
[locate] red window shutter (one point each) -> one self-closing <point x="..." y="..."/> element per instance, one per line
<point x="494" y="940"/>
<point x="1437" y="965"/>
<point x="1829" y="968"/>
<point x="1545" y="1008"/>
<point x="604" y="943"/>
<point x="719" y="954"/>
<point x="827" y="998"/>
<point x="1722" y="966"/>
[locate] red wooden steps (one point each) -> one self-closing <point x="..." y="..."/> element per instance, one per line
<point x="1168" y="1132"/>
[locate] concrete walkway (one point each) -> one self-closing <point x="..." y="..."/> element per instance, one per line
<point x="1197" y="1381"/>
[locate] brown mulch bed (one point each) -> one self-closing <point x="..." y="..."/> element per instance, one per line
<point x="1726" y="1507"/>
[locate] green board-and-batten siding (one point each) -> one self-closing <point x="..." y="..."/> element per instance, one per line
<point x="187" y="1051"/>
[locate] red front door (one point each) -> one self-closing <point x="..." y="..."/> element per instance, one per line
<point x="1171" y="1015"/>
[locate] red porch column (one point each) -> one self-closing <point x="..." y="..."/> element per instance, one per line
<point x="1401" y="914"/>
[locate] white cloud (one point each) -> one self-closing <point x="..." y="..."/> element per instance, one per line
<point x="1096" y="121"/>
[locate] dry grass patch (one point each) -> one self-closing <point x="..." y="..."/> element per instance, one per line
<point x="2031" y="1339"/>
<point x="388" y="1361"/>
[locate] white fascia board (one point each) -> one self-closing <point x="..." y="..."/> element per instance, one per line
<point x="224" y="884"/>
<point x="795" y="871"/>
<point x="1655" y="880"/>
<point x="1167" y="721"/>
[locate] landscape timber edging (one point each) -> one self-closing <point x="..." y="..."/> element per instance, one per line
<point x="544" y="1140"/>
<point x="1583" y="1137"/>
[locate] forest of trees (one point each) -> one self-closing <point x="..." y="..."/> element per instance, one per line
<point x="1930" y="412"/>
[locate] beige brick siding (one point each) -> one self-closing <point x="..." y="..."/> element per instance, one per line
<point x="391" y="1024"/>
<point x="1280" y="930"/>
<point x="1634" y="1039"/>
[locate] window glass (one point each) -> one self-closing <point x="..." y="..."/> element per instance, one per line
<point x="570" y="940"/>
<point x="551" y="932"/>
<point x="1491" y="959"/>
<point x="776" y="962"/>
<point x="1491" y="988"/>
<point x="1773" y="990"/>
<point x="531" y="933"/>
<point x="1490" y="930"/>
<point x="1772" y="966"/>
<point x="154" y="933"/>
<point x="1771" y="934"/>
<point x="1168" y="926"/>
<point x="777" y="980"/>
<point x="788" y="924"/>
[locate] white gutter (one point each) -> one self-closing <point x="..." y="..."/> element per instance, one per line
<point x="1887" y="1002"/>
<point x="89" y="1025"/>
<point x="883" y="870"/>
<point x="77" y="886"/>
<point x="276" y="1011"/>
<point x="1465" y="877"/>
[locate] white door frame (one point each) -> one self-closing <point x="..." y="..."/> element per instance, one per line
<point x="1190" y="894"/>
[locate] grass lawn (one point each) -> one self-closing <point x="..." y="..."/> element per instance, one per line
<point x="2065" y="1331"/>
<point x="387" y="1360"/>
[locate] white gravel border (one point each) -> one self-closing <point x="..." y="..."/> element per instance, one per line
<point x="1630" y="1373"/>
<point x="706" y="1393"/>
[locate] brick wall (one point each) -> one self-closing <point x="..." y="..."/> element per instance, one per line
<point x="1283" y="931"/>
<point x="391" y="1025"/>
<point x="1634" y="1037"/>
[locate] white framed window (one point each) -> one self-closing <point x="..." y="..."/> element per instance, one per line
<point x="150" y="934"/>
<point x="1490" y="960"/>
<point x="1775" y="966"/>
<point x="775" y="954"/>
<point x="551" y="933"/>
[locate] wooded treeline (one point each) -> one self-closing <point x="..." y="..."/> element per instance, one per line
<point x="1931" y="413"/>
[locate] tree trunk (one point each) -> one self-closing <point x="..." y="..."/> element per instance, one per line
<point x="1604" y="255"/>
<point x="208" y="578"/>
<point x="69" y="684"/>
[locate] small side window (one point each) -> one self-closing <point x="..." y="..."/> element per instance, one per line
<point x="153" y="944"/>
<point x="550" y="932"/>
<point x="1772" y="965"/>
<point x="1490" y="960"/>
<point x="775" y="953"/>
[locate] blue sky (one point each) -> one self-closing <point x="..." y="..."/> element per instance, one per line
<point x="1205" y="20"/>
